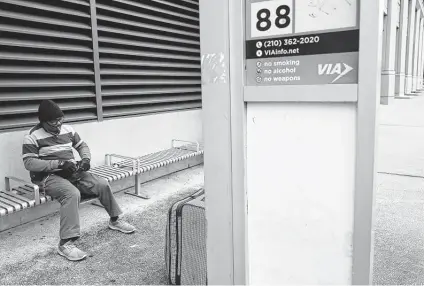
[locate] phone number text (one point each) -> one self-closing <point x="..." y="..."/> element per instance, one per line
<point x="291" y="41"/>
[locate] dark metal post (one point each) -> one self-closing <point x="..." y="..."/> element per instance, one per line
<point x="96" y="60"/>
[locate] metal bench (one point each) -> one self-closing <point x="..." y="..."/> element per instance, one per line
<point x="27" y="195"/>
<point x="126" y="167"/>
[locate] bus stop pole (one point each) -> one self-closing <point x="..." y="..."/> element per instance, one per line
<point x="370" y="58"/>
<point x="216" y="116"/>
<point x="222" y="37"/>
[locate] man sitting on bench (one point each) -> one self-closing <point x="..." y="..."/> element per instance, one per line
<point x="48" y="155"/>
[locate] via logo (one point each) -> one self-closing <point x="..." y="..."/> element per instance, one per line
<point x="341" y="69"/>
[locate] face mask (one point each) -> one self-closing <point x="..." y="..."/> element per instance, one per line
<point x="53" y="128"/>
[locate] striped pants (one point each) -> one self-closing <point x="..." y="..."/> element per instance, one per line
<point x="68" y="193"/>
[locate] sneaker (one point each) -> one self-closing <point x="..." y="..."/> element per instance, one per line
<point x="71" y="252"/>
<point x="121" y="226"/>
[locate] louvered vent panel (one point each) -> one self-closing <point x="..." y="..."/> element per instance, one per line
<point x="45" y="53"/>
<point x="149" y="56"/>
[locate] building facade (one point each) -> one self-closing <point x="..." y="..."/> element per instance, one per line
<point x="126" y="73"/>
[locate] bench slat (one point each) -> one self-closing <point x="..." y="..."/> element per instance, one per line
<point x="9" y="208"/>
<point x="44" y="199"/>
<point x="25" y="191"/>
<point x="154" y="163"/>
<point x="30" y="202"/>
<point x="17" y="204"/>
<point x="146" y="159"/>
<point x="114" y="171"/>
<point x="107" y="177"/>
<point x="110" y="175"/>
<point x="160" y="156"/>
<point x="18" y="198"/>
<point x="158" y="164"/>
<point x="155" y="157"/>
<point x="151" y="162"/>
<point x="21" y="191"/>
<point x="166" y="156"/>
<point x="30" y="192"/>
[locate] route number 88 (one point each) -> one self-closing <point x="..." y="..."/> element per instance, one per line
<point x="282" y="19"/>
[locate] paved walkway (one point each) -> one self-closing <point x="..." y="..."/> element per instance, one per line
<point x="399" y="224"/>
<point x="28" y="253"/>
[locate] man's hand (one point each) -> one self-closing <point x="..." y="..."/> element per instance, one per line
<point x="68" y="166"/>
<point x="85" y="164"/>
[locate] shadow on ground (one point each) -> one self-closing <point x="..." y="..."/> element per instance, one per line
<point x="114" y="258"/>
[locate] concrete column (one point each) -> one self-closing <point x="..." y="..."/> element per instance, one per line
<point x="420" y="55"/>
<point x="389" y="61"/>
<point x="410" y="46"/>
<point x="421" y="74"/>
<point x="383" y="54"/>
<point x="401" y="51"/>
<point x="421" y="67"/>
<point x="421" y="60"/>
<point x="416" y="49"/>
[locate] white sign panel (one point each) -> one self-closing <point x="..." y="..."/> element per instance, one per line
<point x="270" y="18"/>
<point x="317" y="15"/>
<point x="320" y="36"/>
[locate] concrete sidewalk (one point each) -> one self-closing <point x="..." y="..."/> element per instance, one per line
<point x="28" y="252"/>
<point x="399" y="224"/>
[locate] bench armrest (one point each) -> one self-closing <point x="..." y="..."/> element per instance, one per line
<point x="183" y="141"/>
<point x="135" y="161"/>
<point x="36" y="188"/>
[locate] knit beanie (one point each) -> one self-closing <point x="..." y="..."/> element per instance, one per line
<point x="48" y="110"/>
